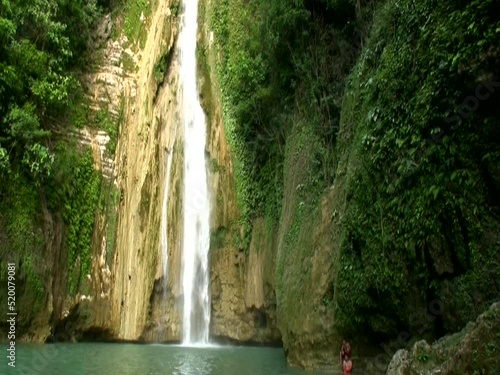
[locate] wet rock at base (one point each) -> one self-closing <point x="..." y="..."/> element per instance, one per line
<point x="474" y="350"/>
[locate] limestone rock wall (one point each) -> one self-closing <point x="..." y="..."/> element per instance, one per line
<point x="243" y="291"/>
<point x="305" y="281"/>
<point x="470" y="351"/>
<point x="129" y="297"/>
<point x="141" y="156"/>
<point x="242" y="283"/>
<point x="120" y="295"/>
<point x="165" y="313"/>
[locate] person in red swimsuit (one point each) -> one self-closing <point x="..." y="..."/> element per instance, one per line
<point x="347" y="367"/>
<point x="345" y="360"/>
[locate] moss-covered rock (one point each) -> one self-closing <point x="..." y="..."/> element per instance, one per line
<point x="419" y="208"/>
<point x="396" y="131"/>
<point x="474" y="350"/>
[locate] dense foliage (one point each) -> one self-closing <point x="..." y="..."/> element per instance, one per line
<point x="282" y="63"/>
<point x="427" y="161"/>
<point x="80" y="196"/>
<point x="393" y="103"/>
<point x="48" y="183"/>
<point x="40" y="42"/>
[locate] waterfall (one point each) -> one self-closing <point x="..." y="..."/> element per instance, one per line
<point x="196" y="238"/>
<point x="164" y="222"/>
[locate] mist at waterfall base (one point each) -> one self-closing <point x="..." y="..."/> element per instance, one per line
<point x="134" y="359"/>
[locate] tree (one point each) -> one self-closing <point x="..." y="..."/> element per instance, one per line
<point x="40" y="43"/>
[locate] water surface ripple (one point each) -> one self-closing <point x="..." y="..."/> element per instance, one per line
<point x="133" y="359"/>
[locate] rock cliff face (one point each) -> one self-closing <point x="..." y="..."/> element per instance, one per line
<point x="283" y="287"/>
<point x="474" y="350"/>
<point x="103" y="89"/>
<point x="243" y="290"/>
<point x="242" y="283"/>
<point x="121" y="286"/>
<point x="304" y="293"/>
<point x="127" y="296"/>
<point x="146" y="134"/>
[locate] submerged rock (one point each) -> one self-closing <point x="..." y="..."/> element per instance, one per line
<point x="474" y="350"/>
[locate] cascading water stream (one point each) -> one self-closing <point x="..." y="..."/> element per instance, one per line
<point x="196" y="239"/>
<point x="164" y="222"/>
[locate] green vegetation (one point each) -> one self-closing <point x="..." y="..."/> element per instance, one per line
<point x="40" y="43"/>
<point x="128" y="62"/>
<point x="76" y="198"/>
<point x="282" y="63"/>
<point x="415" y="215"/>
<point x="363" y="97"/>
<point x="214" y="167"/>
<point x="108" y="208"/>
<point x="136" y="13"/>
<point x="103" y="120"/>
<point x="146" y="201"/>
<point x="51" y="190"/>
<point x="22" y="237"/>
<point x="218" y="238"/>
<point x="162" y="66"/>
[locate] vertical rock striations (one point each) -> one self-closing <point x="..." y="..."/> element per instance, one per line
<point x="242" y="282"/>
<point x="146" y="137"/>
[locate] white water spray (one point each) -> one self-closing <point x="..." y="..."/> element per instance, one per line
<point x="196" y="241"/>
<point x="164" y="223"/>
